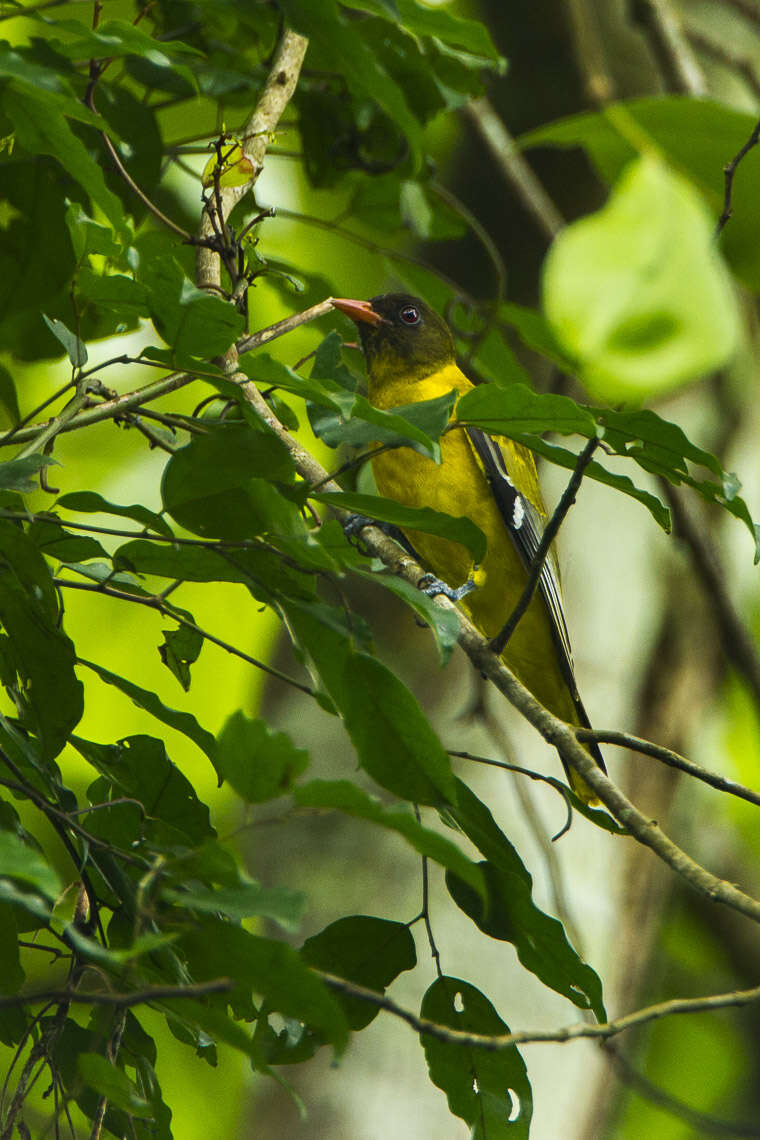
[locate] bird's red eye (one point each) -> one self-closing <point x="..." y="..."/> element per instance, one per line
<point x="410" y="315"/>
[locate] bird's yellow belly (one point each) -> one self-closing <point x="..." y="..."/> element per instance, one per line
<point x="412" y="479"/>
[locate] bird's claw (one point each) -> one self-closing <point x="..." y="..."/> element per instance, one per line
<point x="432" y="586"/>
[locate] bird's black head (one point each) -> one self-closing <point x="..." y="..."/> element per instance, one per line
<point x="400" y="334"/>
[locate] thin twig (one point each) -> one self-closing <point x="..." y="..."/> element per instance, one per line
<point x="729" y="171"/>
<point x="111" y="409"/>
<point x="122" y="1001"/>
<point x="672" y="759"/>
<point x="156" y="603"/>
<point x="547" y="538"/>
<point x="499" y="1042"/>
<point x="514" y="168"/>
<point x="278" y="91"/>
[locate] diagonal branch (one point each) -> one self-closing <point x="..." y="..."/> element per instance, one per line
<point x="277" y="93"/>
<point x="500" y="1042"/>
<point x="556" y="732"/>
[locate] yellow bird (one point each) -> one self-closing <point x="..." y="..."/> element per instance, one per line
<point x="411" y="356"/>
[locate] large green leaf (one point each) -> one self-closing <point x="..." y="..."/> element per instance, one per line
<point x="456" y="529"/>
<point x="369" y="951"/>
<point x="183" y="722"/>
<point x="219" y="484"/>
<point x="42" y="654"/>
<point x="344" y="797"/>
<point x="488" y="1089"/>
<point x="259" y="764"/>
<point x="272" y="969"/>
<point x="698" y="136"/>
<point x="510" y="914"/>
<point x="391" y="734"/>
<point x="636" y="293"/>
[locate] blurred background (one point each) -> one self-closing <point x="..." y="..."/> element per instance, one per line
<point x="648" y="651"/>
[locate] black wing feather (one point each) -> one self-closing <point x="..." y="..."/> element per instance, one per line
<point x="525" y="527"/>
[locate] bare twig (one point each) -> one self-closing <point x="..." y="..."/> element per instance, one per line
<point x="670" y="47"/>
<point x="547" y="538"/>
<point x="111" y="409"/>
<point x="672" y="759"/>
<point x="729" y="171"/>
<point x="499" y="1042"/>
<point x="514" y="168"/>
<point x="277" y="93"/>
<point x="122" y="1001"/>
<point x="154" y="602"/>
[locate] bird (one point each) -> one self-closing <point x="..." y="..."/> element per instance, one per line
<point x="410" y="356"/>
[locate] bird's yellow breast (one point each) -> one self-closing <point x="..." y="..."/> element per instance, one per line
<point x="458" y="486"/>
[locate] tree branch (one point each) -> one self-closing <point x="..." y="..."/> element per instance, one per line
<point x="123" y="1001"/>
<point x="672" y="759"/>
<point x="277" y="93"/>
<point x="503" y="1041"/>
<point x="556" y="732"/>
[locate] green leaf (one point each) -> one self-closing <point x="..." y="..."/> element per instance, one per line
<point x="563" y="457"/>
<point x="337" y="43"/>
<point x="76" y="351"/>
<point x="183" y="722"/>
<point x="509" y="913"/>
<point x="43" y="655"/>
<point x="139" y="768"/>
<point x="19" y="860"/>
<point x="53" y="541"/>
<point x="181" y="648"/>
<point x="342" y="796"/>
<point x="698" y="136"/>
<point x="89" y="236"/>
<point x="90" y="502"/>
<point x="636" y="293"/>
<point x="217" y="949"/>
<point x="279" y="904"/>
<point x="218" y="484"/>
<point x="194" y="323"/>
<point x="42" y="128"/>
<point x="504" y="410"/>
<point x="411" y="425"/>
<point x="459" y="529"/>
<point x="114" y="1084"/>
<point x="21" y="474"/>
<point x="369" y="951"/>
<point x="258" y="763"/>
<point x="444" y="624"/>
<point x="391" y="734"/>
<point x="490" y="1090"/>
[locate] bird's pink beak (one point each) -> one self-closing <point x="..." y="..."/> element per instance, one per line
<point x="358" y="310"/>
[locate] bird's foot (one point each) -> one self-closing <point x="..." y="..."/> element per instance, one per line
<point x="432" y="586"/>
<point x="355" y="523"/>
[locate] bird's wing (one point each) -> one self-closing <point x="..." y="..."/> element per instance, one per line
<point x="525" y="527"/>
